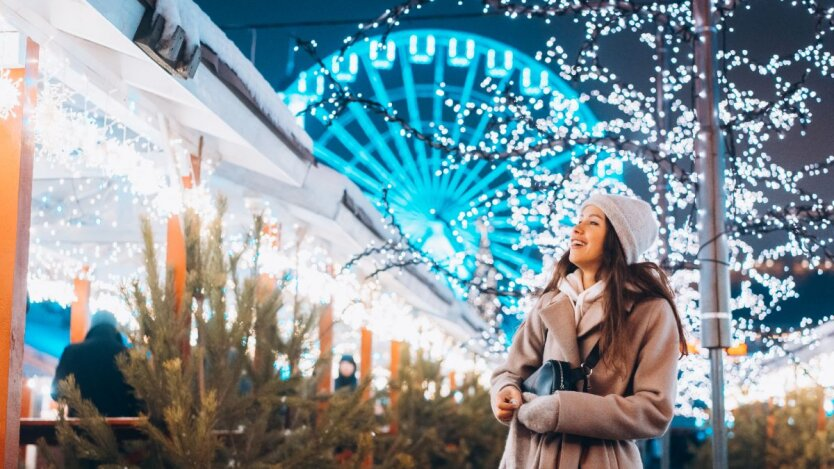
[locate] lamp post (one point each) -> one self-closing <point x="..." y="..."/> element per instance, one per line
<point x="713" y="255"/>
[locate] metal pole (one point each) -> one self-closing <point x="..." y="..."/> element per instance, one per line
<point x="662" y="125"/>
<point x="713" y="255"/>
<point x="666" y="455"/>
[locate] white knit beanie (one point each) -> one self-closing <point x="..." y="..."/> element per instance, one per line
<point x="633" y="221"/>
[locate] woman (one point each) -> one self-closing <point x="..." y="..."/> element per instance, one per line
<point x="599" y="293"/>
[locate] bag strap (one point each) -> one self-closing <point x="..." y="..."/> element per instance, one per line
<point x="592" y="359"/>
<point x="587" y="367"/>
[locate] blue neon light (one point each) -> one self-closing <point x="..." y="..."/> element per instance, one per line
<point x="438" y="207"/>
<point x="421" y="49"/>
<point x="382" y="56"/>
<point x="458" y="57"/>
<point x="499" y="71"/>
<point x="345" y="68"/>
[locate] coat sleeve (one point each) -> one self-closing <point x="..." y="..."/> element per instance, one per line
<point x="649" y="410"/>
<point x="524" y="355"/>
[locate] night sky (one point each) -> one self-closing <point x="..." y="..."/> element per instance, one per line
<point x="767" y="29"/>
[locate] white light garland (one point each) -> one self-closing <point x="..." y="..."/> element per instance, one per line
<point x="9" y="94"/>
<point x="756" y="113"/>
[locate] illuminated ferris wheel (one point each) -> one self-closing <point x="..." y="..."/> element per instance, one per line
<point x="418" y="72"/>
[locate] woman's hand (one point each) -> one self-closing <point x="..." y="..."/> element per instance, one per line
<point x="540" y="413"/>
<point x="506" y="403"/>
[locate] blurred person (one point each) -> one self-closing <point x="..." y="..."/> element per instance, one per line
<point x="93" y="363"/>
<point x="347" y="374"/>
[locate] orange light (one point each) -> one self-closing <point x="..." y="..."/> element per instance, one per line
<point x="739" y="350"/>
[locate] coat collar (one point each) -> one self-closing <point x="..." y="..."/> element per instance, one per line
<point x="557" y="315"/>
<point x="591" y="319"/>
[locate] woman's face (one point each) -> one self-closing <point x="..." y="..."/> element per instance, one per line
<point x="346" y="368"/>
<point x="587" y="239"/>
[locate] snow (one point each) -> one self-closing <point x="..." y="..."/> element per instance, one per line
<point x="199" y="28"/>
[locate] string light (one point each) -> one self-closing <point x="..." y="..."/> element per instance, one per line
<point x="9" y="94"/>
<point x="94" y="176"/>
<point x="523" y="133"/>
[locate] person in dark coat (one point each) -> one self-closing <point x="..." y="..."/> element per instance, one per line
<point x="347" y="374"/>
<point x="93" y="363"/>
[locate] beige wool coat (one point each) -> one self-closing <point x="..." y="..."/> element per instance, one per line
<point x="594" y="430"/>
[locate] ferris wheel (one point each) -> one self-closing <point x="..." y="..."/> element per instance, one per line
<point x="418" y="72"/>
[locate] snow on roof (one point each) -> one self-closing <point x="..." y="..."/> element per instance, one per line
<point x="199" y="28"/>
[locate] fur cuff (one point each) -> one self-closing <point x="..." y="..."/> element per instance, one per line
<point x="539" y="413"/>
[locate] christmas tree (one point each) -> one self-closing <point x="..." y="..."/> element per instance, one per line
<point x="795" y="433"/>
<point x="203" y="363"/>
<point x="433" y="429"/>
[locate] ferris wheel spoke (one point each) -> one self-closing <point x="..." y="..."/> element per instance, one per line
<point x="382" y="96"/>
<point x="502" y="223"/>
<point x="365" y="182"/>
<point x="506" y="269"/>
<point x="475" y="137"/>
<point x="437" y="119"/>
<point x="501" y="206"/>
<point x="360" y="154"/>
<point x="471" y="175"/>
<point x="507" y="255"/>
<point x="478" y="133"/>
<point x="414" y="112"/>
<point x="483" y="185"/>
<point x="450" y="180"/>
<point x="505" y="237"/>
<point x="395" y="168"/>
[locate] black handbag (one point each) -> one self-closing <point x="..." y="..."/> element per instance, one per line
<point x="556" y="375"/>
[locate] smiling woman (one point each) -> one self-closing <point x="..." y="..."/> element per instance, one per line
<point x="586" y="243"/>
<point x="600" y="301"/>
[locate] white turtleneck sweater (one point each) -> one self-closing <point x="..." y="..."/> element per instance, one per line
<point x="582" y="299"/>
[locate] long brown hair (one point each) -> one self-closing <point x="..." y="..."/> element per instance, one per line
<point x="647" y="278"/>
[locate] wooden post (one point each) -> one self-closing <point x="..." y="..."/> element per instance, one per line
<point x="822" y="430"/>
<point x="175" y="264"/>
<point x="17" y="150"/>
<point x="175" y="258"/>
<point x="192" y="179"/>
<point x="26" y="407"/>
<point x="770" y="430"/>
<point x="80" y="309"/>
<point x="197" y="162"/>
<point x="395" y="374"/>
<point x="365" y="359"/>
<point x="25" y="401"/>
<point x="326" y="348"/>
<point x="364" y="372"/>
<point x="452" y="383"/>
<point x="325" y="382"/>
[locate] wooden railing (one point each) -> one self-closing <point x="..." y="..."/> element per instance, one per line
<point x="31" y="429"/>
<point x="125" y="428"/>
